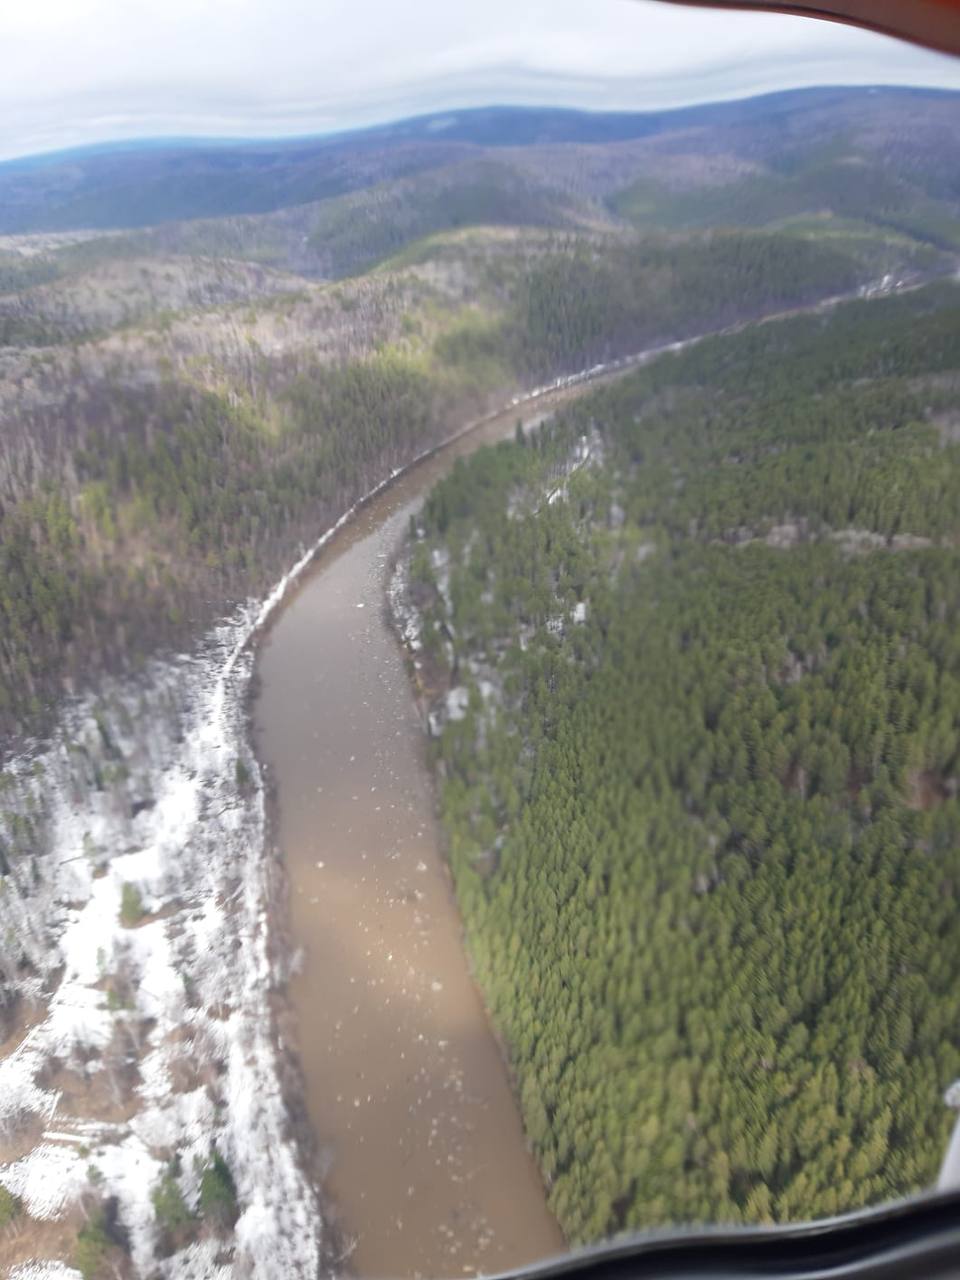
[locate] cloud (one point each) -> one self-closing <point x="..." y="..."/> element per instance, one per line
<point x="79" y="71"/>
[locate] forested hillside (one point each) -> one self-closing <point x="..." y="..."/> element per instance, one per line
<point x="844" y="163"/>
<point x="692" y="654"/>
<point x="176" y="430"/>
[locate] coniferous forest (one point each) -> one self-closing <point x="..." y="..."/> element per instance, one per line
<point x="138" y="503"/>
<point x="700" y="779"/>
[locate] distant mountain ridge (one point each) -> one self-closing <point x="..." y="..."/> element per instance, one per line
<point x="129" y="185"/>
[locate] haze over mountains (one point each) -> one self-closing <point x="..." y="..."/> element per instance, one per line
<point x="516" y="164"/>
<point x="477" y="251"/>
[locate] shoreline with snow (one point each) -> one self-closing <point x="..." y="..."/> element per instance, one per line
<point x="193" y="983"/>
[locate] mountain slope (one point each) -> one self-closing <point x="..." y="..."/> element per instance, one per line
<point x="691" y="656"/>
<point x="137" y="185"/>
<point x="155" y="473"/>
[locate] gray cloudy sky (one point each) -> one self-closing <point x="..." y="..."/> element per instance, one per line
<point x="78" y="71"/>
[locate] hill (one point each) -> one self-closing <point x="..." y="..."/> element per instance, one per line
<point x="839" y="151"/>
<point x="691" y="655"/>
<point x="175" y="428"/>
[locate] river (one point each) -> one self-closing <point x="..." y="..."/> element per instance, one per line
<point x="406" y="1088"/>
<point x="405" y="1083"/>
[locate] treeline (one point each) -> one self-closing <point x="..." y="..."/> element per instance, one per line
<point x="702" y="807"/>
<point x="18" y="330"/>
<point x="184" y="501"/>
<point x="164" y="503"/>
<point x="352" y="233"/>
<point x="855" y="197"/>
<point x="602" y="306"/>
<point x="591" y="303"/>
<point x="18" y="272"/>
<point x="42" y="587"/>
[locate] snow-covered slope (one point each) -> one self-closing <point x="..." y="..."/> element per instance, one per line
<point x="138" y="892"/>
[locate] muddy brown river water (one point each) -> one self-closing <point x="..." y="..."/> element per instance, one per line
<point x="406" y="1087"/>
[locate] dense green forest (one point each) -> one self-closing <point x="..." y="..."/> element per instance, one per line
<point x="193" y="493"/>
<point x="588" y="305"/>
<point x="702" y="806"/>
<point x="168" y="499"/>
<point x="844" y="195"/>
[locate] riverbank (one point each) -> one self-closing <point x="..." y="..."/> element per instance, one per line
<point x="313" y="669"/>
<point x="405" y="1082"/>
<point x="172" y="818"/>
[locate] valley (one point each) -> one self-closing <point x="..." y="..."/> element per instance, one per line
<point x="294" y="979"/>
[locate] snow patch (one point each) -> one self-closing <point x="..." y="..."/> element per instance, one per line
<point x="44" y="1271"/>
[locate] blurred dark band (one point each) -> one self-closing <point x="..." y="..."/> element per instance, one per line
<point x="934" y="23"/>
<point x="915" y="1239"/>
